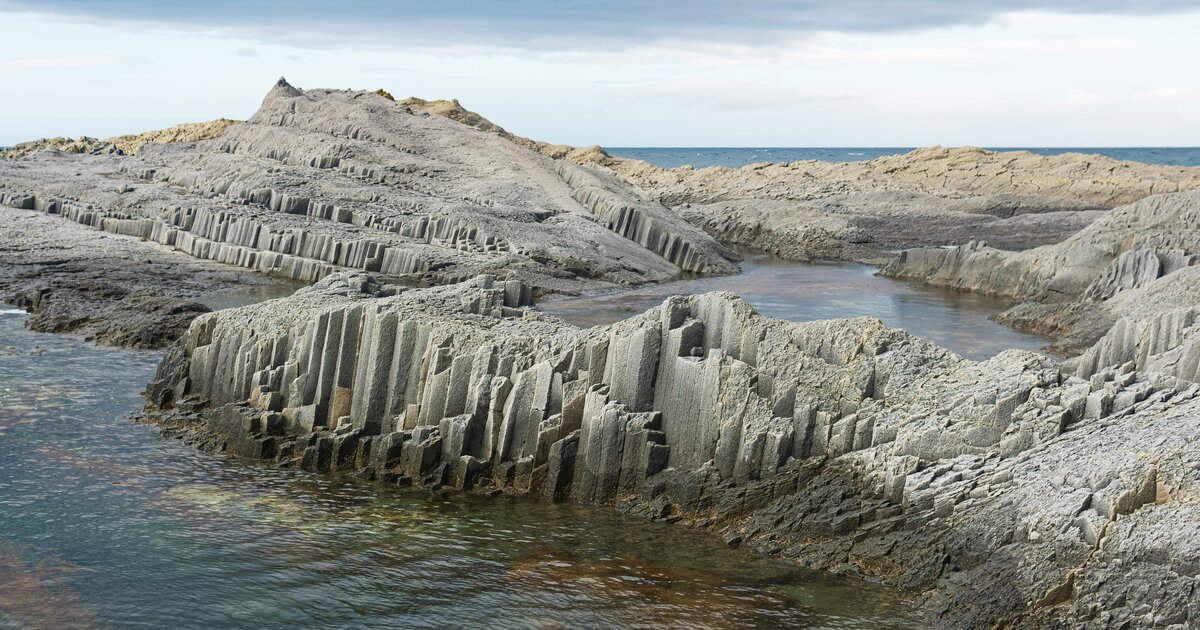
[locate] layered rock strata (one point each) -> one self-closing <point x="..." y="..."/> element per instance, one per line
<point x="1011" y="489"/>
<point x="865" y="210"/>
<point x="324" y="180"/>
<point x="928" y="197"/>
<point x="111" y="289"/>
<point x="1136" y="261"/>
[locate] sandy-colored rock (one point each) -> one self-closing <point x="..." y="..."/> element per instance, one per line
<point x="127" y="144"/>
<point x="865" y="211"/>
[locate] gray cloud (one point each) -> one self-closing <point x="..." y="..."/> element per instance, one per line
<point x="572" y="24"/>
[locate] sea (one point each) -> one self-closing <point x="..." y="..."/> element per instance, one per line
<point x="734" y="157"/>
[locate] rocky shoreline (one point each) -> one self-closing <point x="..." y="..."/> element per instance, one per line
<point x="1017" y="491"/>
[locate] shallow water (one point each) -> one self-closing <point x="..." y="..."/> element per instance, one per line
<point x="234" y="297"/>
<point x="104" y="523"/>
<point x="802" y="292"/>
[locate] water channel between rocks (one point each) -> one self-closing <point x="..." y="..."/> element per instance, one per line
<point x="801" y="292"/>
<point x="104" y="523"/>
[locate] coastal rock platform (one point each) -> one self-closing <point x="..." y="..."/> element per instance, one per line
<point x="1015" y="490"/>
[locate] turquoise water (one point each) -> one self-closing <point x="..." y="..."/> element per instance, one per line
<point x="801" y="292"/>
<point x="106" y="524"/>
<point x="733" y="157"/>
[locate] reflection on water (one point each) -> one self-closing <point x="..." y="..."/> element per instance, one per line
<point x="242" y="295"/>
<point x="801" y="292"/>
<point x="103" y="523"/>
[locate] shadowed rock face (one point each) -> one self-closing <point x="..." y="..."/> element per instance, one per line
<point x="843" y="443"/>
<point x="324" y="180"/>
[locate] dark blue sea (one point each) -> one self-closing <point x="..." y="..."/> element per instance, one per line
<point x="733" y="157"/>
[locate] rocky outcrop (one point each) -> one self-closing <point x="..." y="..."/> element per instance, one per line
<point x="866" y="210"/>
<point x="1136" y="254"/>
<point x="111" y="289"/>
<point x="325" y="180"/>
<point x="870" y="227"/>
<point x="842" y="443"/>
<point x="956" y="173"/>
<point x="128" y="144"/>
<point x="928" y="197"/>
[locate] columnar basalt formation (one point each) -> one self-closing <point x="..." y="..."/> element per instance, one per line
<point x="843" y="443"/>
<point x="865" y="210"/>
<point x="1018" y="490"/>
<point x="932" y="196"/>
<point x="1138" y="260"/>
<point x="112" y="289"/>
<point x="324" y="180"/>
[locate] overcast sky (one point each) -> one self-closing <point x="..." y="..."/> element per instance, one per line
<point x="629" y="72"/>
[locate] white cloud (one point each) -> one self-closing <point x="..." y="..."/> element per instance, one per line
<point x="61" y="62"/>
<point x="1076" y="98"/>
<point x="1033" y="79"/>
<point x="1165" y="95"/>
<point x="730" y="95"/>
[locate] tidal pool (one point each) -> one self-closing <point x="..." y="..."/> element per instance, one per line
<point x="106" y="524"/>
<point x="801" y="292"/>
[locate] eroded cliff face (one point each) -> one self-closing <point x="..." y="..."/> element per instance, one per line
<point x="843" y="443"/>
<point x="321" y="180"/>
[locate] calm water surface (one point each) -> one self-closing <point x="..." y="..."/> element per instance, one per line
<point x="103" y="523"/>
<point x="801" y="292"/>
<point x="735" y="157"/>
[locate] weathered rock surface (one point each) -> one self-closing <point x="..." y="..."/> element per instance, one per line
<point x="870" y="227"/>
<point x="864" y="211"/>
<point x="1135" y="261"/>
<point x="324" y="180"/>
<point x="1010" y="489"/>
<point x="1018" y="490"/>
<point x="928" y="197"/>
<point x="956" y="173"/>
<point x="112" y="289"/>
<point x="128" y="144"/>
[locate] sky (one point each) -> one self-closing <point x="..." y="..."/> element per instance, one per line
<point x="890" y="73"/>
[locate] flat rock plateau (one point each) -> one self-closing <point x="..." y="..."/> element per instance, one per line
<point x="1020" y="491"/>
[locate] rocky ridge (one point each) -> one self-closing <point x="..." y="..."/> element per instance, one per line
<point x="1016" y="491"/>
<point x="127" y="144"/>
<point x="1013" y="490"/>
<point x="929" y="197"/>
<point x="325" y="180"/>
<point x="864" y="211"/>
